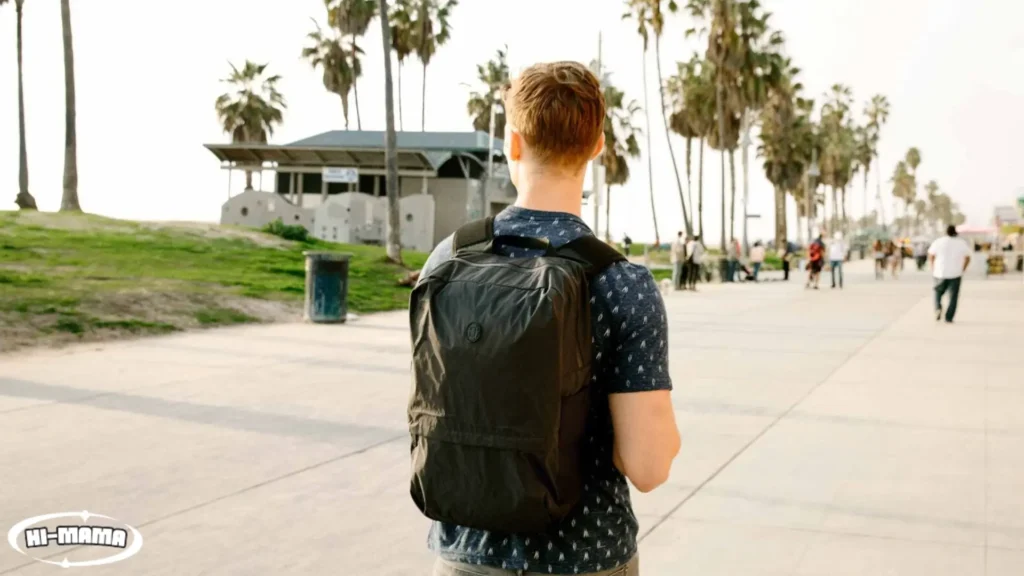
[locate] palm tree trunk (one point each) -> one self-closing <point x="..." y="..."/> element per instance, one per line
<point x="650" y="161"/>
<point x="401" y="122"/>
<point x="780" y="217"/>
<point x="355" y="83"/>
<point x="835" y="207"/>
<point x="394" y="241"/>
<point x="700" y="191"/>
<point x="842" y="204"/>
<point x="689" y="180"/>
<point x="720" y="109"/>
<point x="865" y="196"/>
<point x="732" y="197"/>
<point x="878" y="192"/>
<point x="69" y="201"/>
<point x="344" y="109"/>
<point x="423" y="112"/>
<point x="608" y="213"/>
<point x="24" y="200"/>
<point x="668" y="134"/>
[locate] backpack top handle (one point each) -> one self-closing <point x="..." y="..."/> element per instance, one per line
<point x="593" y="252"/>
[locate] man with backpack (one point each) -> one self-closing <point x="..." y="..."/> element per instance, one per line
<point x="540" y="365"/>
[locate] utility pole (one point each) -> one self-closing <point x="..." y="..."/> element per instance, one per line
<point x="595" y="164"/>
<point x="490" y="164"/>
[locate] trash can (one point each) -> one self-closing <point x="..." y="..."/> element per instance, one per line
<point x="326" y="287"/>
<point x="724" y="270"/>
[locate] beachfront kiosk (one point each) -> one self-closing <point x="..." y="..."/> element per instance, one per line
<point x="333" y="184"/>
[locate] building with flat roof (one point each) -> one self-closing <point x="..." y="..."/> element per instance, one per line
<point x="340" y="176"/>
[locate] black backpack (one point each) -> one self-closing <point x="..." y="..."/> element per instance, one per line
<point x="502" y="353"/>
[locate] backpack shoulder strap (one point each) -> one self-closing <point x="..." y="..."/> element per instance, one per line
<point x="472" y="233"/>
<point x="595" y="253"/>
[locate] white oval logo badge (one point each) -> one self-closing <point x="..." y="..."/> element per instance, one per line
<point x="39" y="537"/>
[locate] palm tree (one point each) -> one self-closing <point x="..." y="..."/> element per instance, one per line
<point x="760" y="70"/>
<point x="621" y="142"/>
<point x="787" y="141"/>
<point x="655" y="19"/>
<point x="864" y="153"/>
<point x="877" y="112"/>
<point x="494" y="75"/>
<point x="902" y="185"/>
<point x="913" y="161"/>
<point x="641" y="16"/>
<point x="352" y="18"/>
<point x="430" y="31"/>
<point x="24" y="200"/>
<point x="692" y="105"/>
<point x="394" y="243"/>
<point x="329" y="53"/>
<point x="69" y="201"/>
<point x="723" y="61"/>
<point x="252" y="108"/>
<point x="839" y="146"/>
<point x="401" y="43"/>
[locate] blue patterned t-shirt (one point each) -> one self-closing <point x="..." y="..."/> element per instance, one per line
<point x="630" y="355"/>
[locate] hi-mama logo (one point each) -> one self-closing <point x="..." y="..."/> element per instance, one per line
<point x="39" y="537"/>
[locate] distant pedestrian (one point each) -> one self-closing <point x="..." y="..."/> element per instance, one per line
<point x="757" y="258"/>
<point x="695" y="250"/>
<point x="921" y="254"/>
<point x="816" y="261"/>
<point x="879" y="254"/>
<point x="894" y="258"/>
<point x="627" y="242"/>
<point x="735" y="253"/>
<point x="949" y="257"/>
<point x="786" y="255"/>
<point x="836" y="256"/>
<point x="678" y="259"/>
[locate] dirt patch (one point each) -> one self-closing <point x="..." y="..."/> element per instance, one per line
<point x="137" y="313"/>
<point x="78" y="222"/>
<point x="216" y="231"/>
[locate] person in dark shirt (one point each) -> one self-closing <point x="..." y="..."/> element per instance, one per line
<point x="631" y="429"/>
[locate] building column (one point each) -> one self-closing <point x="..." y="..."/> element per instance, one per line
<point x="323" y="190"/>
<point x="295" y="199"/>
<point x="376" y="186"/>
<point x="423" y="189"/>
<point x="291" y="185"/>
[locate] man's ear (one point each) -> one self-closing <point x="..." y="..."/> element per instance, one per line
<point x="599" y="148"/>
<point x="515" y="146"/>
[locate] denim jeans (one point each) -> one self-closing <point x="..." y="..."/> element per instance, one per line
<point x="757" y="269"/>
<point x="952" y="285"/>
<point x="837" y="266"/>
<point x="678" y="270"/>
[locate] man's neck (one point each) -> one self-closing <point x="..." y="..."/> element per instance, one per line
<point x="550" y="193"/>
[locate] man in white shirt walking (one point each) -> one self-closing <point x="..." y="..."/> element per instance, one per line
<point x="949" y="257"/>
<point x="836" y="257"/>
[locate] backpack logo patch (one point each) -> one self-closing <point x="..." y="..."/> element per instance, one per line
<point x="474" y="331"/>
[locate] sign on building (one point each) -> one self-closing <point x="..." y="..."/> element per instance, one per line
<point x="341" y="175"/>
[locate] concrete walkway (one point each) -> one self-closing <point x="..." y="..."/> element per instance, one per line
<point x="824" y="433"/>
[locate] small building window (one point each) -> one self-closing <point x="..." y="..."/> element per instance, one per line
<point x="408" y="217"/>
<point x="245" y="211"/>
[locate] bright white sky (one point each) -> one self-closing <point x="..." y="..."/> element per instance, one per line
<point x="147" y="76"/>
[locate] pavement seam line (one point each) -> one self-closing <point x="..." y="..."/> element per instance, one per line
<point x="772" y="424"/>
<point x="222" y="497"/>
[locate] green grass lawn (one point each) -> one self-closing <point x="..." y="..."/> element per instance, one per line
<point x="73" y="277"/>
